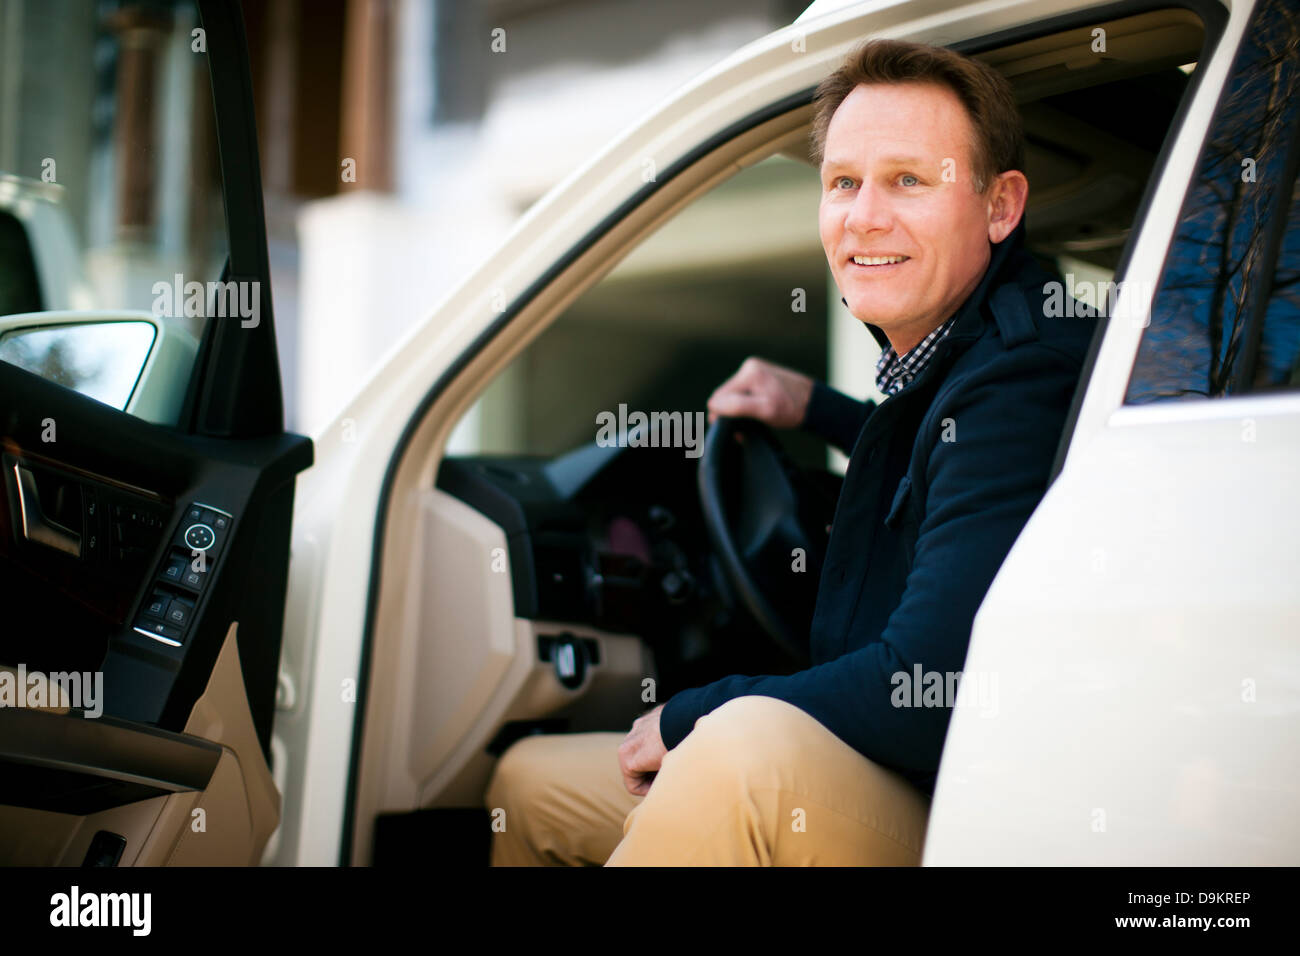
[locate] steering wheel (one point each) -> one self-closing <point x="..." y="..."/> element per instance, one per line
<point x="758" y="510"/>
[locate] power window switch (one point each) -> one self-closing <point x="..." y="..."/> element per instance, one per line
<point x="175" y="569"/>
<point x="157" y="606"/>
<point x="179" y="613"/>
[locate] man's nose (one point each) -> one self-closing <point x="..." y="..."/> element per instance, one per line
<point x="869" y="211"/>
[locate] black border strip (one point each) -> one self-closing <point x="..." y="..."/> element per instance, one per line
<point x="1213" y="15"/>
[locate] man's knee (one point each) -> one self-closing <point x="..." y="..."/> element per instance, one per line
<point x="760" y="781"/>
<point x="744" y="736"/>
<point x="764" y="720"/>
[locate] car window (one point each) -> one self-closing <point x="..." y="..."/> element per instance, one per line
<point x="738" y="272"/>
<point x="1226" y="319"/>
<point x="111" y="209"/>
<point x="1276" y="363"/>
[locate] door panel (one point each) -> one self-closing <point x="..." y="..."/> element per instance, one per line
<point x="222" y="809"/>
<point x="143" y="570"/>
<point x="241" y="806"/>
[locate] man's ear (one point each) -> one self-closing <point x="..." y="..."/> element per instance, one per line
<point x="1006" y="203"/>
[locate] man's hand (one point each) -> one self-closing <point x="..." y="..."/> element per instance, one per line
<point x="774" y="395"/>
<point x="641" y="753"/>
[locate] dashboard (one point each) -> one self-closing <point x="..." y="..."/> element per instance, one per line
<point x="601" y="536"/>
<point x="610" y="538"/>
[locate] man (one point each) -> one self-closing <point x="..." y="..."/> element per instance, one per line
<point x="921" y="214"/>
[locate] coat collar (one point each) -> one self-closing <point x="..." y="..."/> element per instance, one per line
<point x="1007" y="302"/>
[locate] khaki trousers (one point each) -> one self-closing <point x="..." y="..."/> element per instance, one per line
<point x="758" y="782"/>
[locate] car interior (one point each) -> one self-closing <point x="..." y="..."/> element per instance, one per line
<point x="534" y="579"/>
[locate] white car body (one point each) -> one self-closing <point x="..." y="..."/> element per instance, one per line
<point x="1124" y="733"/>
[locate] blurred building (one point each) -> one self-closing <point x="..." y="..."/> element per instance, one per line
<point x="106" y="118"/>
<point x="454" y="116"/>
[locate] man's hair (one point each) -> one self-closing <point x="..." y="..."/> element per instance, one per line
<point x="999" y="135"/>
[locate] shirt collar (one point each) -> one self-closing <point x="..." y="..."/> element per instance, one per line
<point x="894" y="372"/>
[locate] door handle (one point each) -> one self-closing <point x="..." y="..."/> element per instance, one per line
<point x="37" y="527"/>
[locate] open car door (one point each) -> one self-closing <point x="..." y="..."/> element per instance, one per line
<point x="143" y="531"/>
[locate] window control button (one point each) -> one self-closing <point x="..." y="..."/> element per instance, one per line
<point x="194" y="579"/>
<point x="157" y="606"/>
<point x="179" y="613"/>
<point x="175" y="570"/>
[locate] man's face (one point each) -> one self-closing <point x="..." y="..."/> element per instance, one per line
<point x="897" y="182"/>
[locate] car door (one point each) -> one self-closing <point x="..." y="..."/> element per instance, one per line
<point x="143" y="553"/>
<point x="1142" y="633"/>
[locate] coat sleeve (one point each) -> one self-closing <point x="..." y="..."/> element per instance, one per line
<point x="835" y="417"/>
<point x="981" y="489"/>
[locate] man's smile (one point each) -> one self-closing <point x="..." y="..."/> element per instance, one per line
<point x="877" y="263"/>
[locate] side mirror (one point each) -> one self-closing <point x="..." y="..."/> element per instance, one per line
<point x="134" y="361"/>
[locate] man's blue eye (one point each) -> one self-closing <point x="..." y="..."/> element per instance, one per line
<point x="908" y="176"/>
<point x="844" y="179"/>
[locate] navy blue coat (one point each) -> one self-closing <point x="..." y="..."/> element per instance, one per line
<point x="942" y="476"/>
